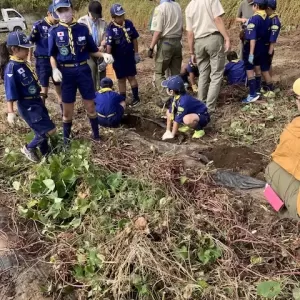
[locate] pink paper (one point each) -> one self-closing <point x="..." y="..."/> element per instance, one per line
<point x="272" y="198"/>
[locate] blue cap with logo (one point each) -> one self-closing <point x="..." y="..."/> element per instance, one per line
<point x="52" y="12"/>
<point x="106" y="83"/>
<point x="174" y="83"/>
<point x="117" y="10"/>
<point x="61" y="3"/>
<point x="261" y="2"/>
<point x="272" y="4"/>
<point x="18" y="38"/>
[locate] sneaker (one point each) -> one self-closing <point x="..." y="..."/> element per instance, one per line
<point x="269" y="94"/>
<point x="135" y="102"/>
<point x="251" y="99"/>
<point x="198" y="134"/>
<point x="30" y="154"/>
<point x="184" y="129"/>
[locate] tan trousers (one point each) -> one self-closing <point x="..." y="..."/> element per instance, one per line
<point x="286" y="187"/>
<point x="210" y="57"/>
<point x="168" y="56"/>
<point x="92" y="62"/>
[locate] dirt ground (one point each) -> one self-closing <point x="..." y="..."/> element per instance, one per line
<point x="240" y="141"/>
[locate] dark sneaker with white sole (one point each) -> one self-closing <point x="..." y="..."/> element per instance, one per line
<point x="135" y="102"/>
<point x="30" y="154"/>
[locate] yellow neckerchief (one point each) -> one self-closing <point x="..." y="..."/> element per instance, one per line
<point x="48" y="21"/>
<point x="14" y="58"/>
<point x="104" y="90"/>
<point x="261" y="13"/>
<point x="175" y="99"/>
<point x="71" y="40"/>
<point x="273" y="15"/>
<point x="235" y="60"/>
<point x="125" y="31"/>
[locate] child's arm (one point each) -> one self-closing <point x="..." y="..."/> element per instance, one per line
<point x="10" y="107"/>
<point x="175" y="128"/>
<point x="271" y="48"/>
<point x="108" y="49"/>
<point x="252" y="46"/>
<point x="136" y="45"/>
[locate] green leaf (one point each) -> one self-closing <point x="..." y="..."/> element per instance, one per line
<point x="296" y="293"/>
<point x="68" y="174"/>
<point x="255" y="260"/>
<point x="183" y="180"/>
<point x="182" y="252"/>
<point x="202" y="284"/>
<point x="50" y="184"/>
<point x="269" y="289"/>
<point x="79" y="271"/>
<point x="16" y="185"/>
<point x="75" y="222"/>
<point x="32" y="203"/>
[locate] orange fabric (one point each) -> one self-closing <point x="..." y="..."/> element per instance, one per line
<point x="298" y="204"/>
<point x="110" y="72"/>
<point x="287" y="153"/>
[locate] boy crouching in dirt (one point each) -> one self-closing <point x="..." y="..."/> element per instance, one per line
<point x="235" y="72"/>
<point x="189" y="72"/>
<point x="184" y="109"/>
<point x="110" y="105"/>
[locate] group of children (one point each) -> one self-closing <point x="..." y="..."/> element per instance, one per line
<point x="63" y="47"/>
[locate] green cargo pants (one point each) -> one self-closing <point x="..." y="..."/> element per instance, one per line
<point x="93" y="64"/>
<point x="210" y="55"/>
<point x="286" y="187"/>
<point x="168" y="56"/>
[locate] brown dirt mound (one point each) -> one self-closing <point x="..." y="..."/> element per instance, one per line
<point x="239" y="159"/>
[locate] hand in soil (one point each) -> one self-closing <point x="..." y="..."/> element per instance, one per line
<point x="168" y="135"/>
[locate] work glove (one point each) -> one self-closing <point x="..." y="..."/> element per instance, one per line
<point x="251" y="59"/>
<point x="11" y="118"/>
<point x="195" y="88"/>
<point x="57" y="76"/>
<point x="137" y="58"/>
<point x="150" y="53"/>
<point x="102" y="66"/>
<point x="108" y="58"/>
<point x="168" y="135"/>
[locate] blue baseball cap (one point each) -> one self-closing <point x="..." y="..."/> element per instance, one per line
<point x="117" y="10"/>
<point x="106" y="82"/>
<point x="174" y="83"/>
<point x="61" y="3"/>
<point x="52" y="12"/>
<point x="272" y="4"/>
<point x="261" y="2"/>
<point x="18" y="38"/>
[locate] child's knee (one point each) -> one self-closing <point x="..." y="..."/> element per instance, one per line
<point x="191" y="120"/>
<point x="51" y="132"/>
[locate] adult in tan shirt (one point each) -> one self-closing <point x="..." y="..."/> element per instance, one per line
<point x="167" y="28"/>
<point x="206" y="38"/>
<point x="97" y="26"/>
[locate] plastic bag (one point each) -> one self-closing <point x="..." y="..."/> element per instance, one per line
<point x="236" y="180"/>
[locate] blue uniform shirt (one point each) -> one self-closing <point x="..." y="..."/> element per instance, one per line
<point x="258" y="29"/>
<point x="186" y="104"/>
<point x="275" y="27"/>
<point x="108" y="102"/>
<point x="235" y="72"/>
<point x="120" y="38"/>
<point x="39" y="37"/>
<point x="71" y="43"/>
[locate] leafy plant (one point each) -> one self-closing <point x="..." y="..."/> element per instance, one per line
<point x="208" y="251"/>
<point x="269" y="289"/>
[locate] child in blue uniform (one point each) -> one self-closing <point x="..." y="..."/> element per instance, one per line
<point x="70" y="46"/>
<point x="189" y="73"/>
<point x="121" y="41"/>
<point x="110" y="105"/>
<point x="274" y="30"/>
<point x="184" y="109"/>
<point x="255" y="54"/>
<point x="21" y="85"/>
<point x="39" y="37"/>
<point x="235" y="69"/>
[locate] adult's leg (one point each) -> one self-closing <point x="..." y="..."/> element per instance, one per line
<point x="204" y="68"/>
<point x="176" y="60"/>
<point x="215" y="49"/>
<point x="94" y="69"/>
<point x="162" y="62"/>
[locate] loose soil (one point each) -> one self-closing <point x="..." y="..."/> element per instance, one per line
<point x="239" y="159"/>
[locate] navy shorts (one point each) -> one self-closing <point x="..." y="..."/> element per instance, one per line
<point x="204" y="120"/>
<point x="125" y="66"/>
<point x="113" y="121"/>
<point x="79" y="77"/>
<point x="44" y="71"/>
<point x="261" y="57"/>
<point x="37" y="117"/>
